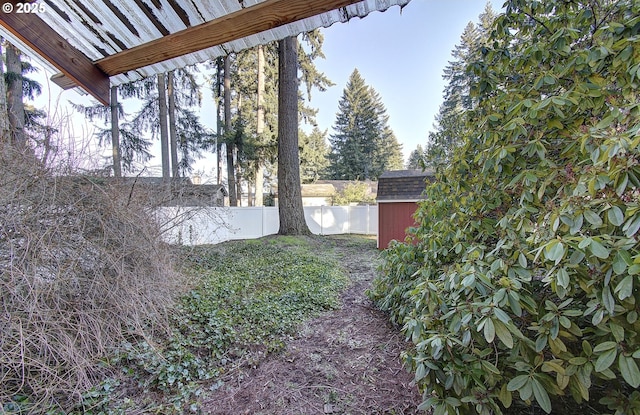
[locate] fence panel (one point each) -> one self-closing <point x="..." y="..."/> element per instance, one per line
<point x="195" y="226"/>
<point x="327" y="220"/>
<point x="362" y="220"/>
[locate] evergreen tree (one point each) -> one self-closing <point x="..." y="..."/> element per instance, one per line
<point x="416" y="158"/>
<point x="254" y="114"/>
<point x="363" y="145"/>
<point x="311" y="77"/>
<point x="21" y="124"/>
<point x="128" y="146"/>
<point x="15" y="104"/>
<point x="260" y="126"/>
<point x="253" y="107"/>
<point x="228" y="134"/>
<point x="389" y="152"/>
<point x="162" y="124"/>
<point x="115" y="132"/>
<point x="4" y="114"/>
<point x="313" y="155"/>
<point x="190" y="135"/>
<point x="450" y="125"/>
<point x="18" y="88"/>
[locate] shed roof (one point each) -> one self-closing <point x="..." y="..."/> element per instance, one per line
<point x="340" y="185"/>
<point x="317" y="190"/>
<point x="98" y="43"/>
<point x="403" y="185"/>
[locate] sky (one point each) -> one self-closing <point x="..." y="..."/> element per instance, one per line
<point x="400" y="53"/>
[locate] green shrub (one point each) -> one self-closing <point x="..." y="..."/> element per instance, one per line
<point x="523" y="284"/>
<point x="354" y="192"/>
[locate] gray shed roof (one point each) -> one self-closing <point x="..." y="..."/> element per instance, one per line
<point x="403" y="185"/>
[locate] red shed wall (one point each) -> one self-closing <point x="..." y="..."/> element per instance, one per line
<point x="393" y="219"/>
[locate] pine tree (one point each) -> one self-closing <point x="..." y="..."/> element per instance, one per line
<point x="416" y="158"/>
<point x="15" y="91"/>
<point x="228" y="134"/>
<point x="449" y="123"/>
<point x="363" y="145"/>
<point x="254" y="119"/>
<point x="313" y="155"/>
<point x="21" y="124"/>
<point x="115" y="132"/>
<point x="254" y="106"/>
<point x="162" y="127"/>
<point x="4" y="115"/>
<point x="127" y="142"/>
<point x="190" y="135"/>
<point x="389" y="152"/>
<point x="311" y="77"/>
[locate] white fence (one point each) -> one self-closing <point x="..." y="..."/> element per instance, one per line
<point x="195" y="226"/>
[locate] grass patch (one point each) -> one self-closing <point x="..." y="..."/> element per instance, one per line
<point x="250" y="296"/>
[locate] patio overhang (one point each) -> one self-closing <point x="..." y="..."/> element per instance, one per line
<point x="98" y="43"/>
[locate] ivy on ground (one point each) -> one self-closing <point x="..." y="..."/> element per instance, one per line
<point x="248" y="296"/>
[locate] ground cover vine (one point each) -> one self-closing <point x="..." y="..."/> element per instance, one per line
<point x="247" y="297"/>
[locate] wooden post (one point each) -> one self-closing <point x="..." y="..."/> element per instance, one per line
<point x="164" y="134"/>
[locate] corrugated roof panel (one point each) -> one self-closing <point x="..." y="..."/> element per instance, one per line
<point x="169" y="18"/>
<point x="82" y="32"/>
<point x="99" y="27"/>
<point x="115" y="27"/>
<point x="215" y="9"/>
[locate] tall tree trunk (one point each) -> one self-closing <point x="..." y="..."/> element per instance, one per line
<point x="237" y="152"/>
<point x="290" y="209"/>
<point x="231" y="182"/>
<point x="15" y="105"/>
<point x="259" y="183"/>
<point x="4" y="115"/>
<point x="219" y="108"/>
<point x="250" y="201"/>
<point x="164" y="134"/>
<point x="115" y="133"/>
<point x="259" y="166"/>
<point x="173" y="139"/>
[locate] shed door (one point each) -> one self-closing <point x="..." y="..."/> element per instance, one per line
<point x="393" y="220"/>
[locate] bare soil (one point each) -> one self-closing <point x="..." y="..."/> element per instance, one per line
<point x="345" y="361"/>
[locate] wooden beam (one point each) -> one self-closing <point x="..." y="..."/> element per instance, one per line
<point x="63" y="81"/>
<point x="246" y="22"/>
<point x="36" y="34"/>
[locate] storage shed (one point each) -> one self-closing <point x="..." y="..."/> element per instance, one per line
<point x="398" y="194"/>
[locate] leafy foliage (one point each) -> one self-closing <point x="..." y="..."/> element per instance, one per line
<point x="522" y="285"/>
<point x="354" y="192"/>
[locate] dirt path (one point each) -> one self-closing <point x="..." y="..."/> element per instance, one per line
<point x="343" y="362"/>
